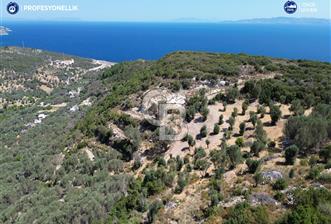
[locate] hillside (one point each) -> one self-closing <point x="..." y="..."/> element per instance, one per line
<point x="190" y="138"/>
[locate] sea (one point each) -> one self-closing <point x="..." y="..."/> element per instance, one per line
<point x="119" y="41"/>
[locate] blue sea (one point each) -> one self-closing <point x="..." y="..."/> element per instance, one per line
<point x="130" y="41"/>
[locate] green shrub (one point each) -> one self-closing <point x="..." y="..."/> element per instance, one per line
<point x="291" y="153"/>
<point x="314" y="172"/>
<point x="153" y="210"/>
<point x="308" y="133"/>
<point x="325" y="153"/>
<point x="234" y="154"/>
<point x="244" y="213"/>
<point x="203" y="131"/>
<point x="181" y="183"/>
<point x="240" y="142"/>
<point x="221" y="120"/>
<point x="275" y="114"/>
<point x="280" y="184"/>
<point x="231" y="122"/>
<point x="325" y="178"/>
<point x="199" y="153"/>
<point x="216" y="129"/>
<point x="257" y="147"/>
<point x="260" y="133"/>
<point x="311" y="206"/>
<point x="242" y="128"/>
<point x="297" y="108"/>
<point x="253" y="165"/>
<point x="253" y="118"/>
<point x="103" y="134"/>
<point x="244" y="107"/>
<point x="201" y="164"/>
<point x="235" y="112"/>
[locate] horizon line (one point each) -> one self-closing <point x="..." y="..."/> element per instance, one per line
<point x="178" y="20"/>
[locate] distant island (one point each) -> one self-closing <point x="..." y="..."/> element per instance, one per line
<point x="4" y="31"/>
<point x="286" y="20"/>
<point x="274" y="20"/>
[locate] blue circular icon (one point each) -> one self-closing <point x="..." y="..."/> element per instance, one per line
<point x="290" y="7"/>
<point x="12" y="8"/>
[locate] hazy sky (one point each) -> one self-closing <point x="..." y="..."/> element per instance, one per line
<point x="168" y="10"/>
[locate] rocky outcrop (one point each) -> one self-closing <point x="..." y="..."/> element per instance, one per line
<point x="262" y="199"/>
<point x="271" y="176"/>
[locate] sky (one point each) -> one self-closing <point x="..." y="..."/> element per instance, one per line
<point x="167" y="10"/>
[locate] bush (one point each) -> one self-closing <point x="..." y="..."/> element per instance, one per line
<point x="197" y="103"/>
<point x="309" y="133"/>
<point x="325" y="178"/>
<point x="161" y="162"/>
<point x="186" y="83"/>
<point x="297" y="108"/>
<point x="201" y="164"/>
<point x="153" y="210"/>
<point x="176" y="86"/>
<point x="154" y="181"/>
<point x="313" y="160"/>
<point x="215" y="192"/>
<point x="103" y="134"/>
<point x="207" y="143"/>
<point x="204" y="113"/>
<point x="234" y="155"/>
<point x="190" y="140"/>
<point x="217" y="157"/>
<point x="240" y="142"/>
<point x="231" y="122"/>
<point x="257" y="147"/>
<point x="291" y="153"/>
<point x="203" y="132"/>
<point x="219" y="173"/>
<point x="314" y="172"/>
<point x="253" y="165"/>
<point x="325" y="154"/>
<point x="244" y="107"/>
<point x="244" y="213"/>
<point x="221" y="119"/>
<point x="235" y="112"/>
<point x="253" y="118"/>
<point x="179" y="163"/>
<point x="137" y="164"/>
<point x="181" y="183"/>
<point x="258" y="178"/>
<point x="261" y="110"/>
<point x="242" y="128"/>
<point x="232" y="94"/>
<point x="279" y="196"/>
<point x="216" y="129"/>
<point x="311" y="206"/>
<point x="280" y="184"/>
<point x="260" y="133"/>
<point x="199" y="153"/>
<point x="275" y="114"/>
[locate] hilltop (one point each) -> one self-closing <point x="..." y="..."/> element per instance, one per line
<point x="190" y="138"/>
